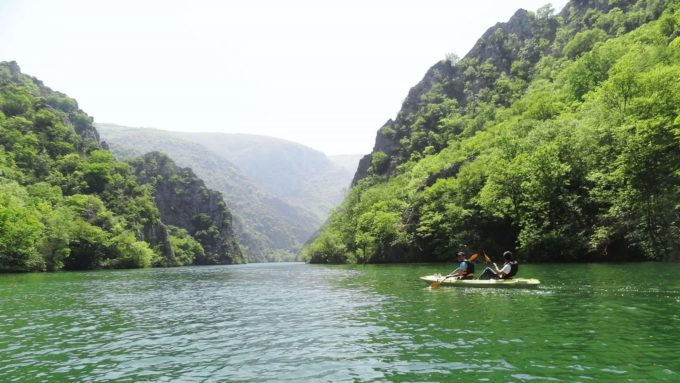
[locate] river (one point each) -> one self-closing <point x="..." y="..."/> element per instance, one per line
<point x="307" y="323"/>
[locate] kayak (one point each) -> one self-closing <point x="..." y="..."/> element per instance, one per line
<point x="514" y="282"/>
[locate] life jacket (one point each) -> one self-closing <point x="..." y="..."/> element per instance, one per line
<point x="470" y="267"/>
<point x="514" y="268"/>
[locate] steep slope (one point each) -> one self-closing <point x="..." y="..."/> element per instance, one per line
<point x="494" y="73"/>
<point x="556" y="136"/>
<point x="185" y="202"/>
<point x="429" y="117"/>
<point x="268" y="228"/>
<point x="293" y="172"/>
<point x="65" y="202"/>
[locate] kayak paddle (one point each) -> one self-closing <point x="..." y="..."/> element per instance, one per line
<point x="436" y="284"/>
<point x="486" y="257"/>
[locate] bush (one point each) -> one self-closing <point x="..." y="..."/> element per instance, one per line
<point x="583" y="42"/>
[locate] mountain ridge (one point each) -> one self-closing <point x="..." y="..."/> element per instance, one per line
<point x="302" y="176"/>
<point x="536" y="144"/>
<point x="269" y="226"/>
<point x="521" y="35"/>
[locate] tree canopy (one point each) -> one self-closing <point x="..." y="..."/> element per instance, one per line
<point x="564" y="146"/>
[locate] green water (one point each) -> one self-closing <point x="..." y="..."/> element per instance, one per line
<point x="305" y="323"/>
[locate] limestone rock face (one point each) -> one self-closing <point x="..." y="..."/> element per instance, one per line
<point x="184" y="201"/>
<point x="523" y="39"/>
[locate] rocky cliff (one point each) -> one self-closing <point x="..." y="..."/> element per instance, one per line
<point x="552" y="137"/>
<point x="268" y="227"/>
<point x="185" y="202"/>
<point x="506" y="54"/>
<point x="297" y="174"/>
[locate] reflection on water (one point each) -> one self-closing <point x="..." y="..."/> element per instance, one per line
<point x="296" y="322"/>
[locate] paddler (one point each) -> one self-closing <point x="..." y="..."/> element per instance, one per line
<point x="465" y="269"/>
<point x="509" y="269"/>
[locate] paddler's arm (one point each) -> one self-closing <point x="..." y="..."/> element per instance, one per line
<point x="504" y="271"/>
<point x="457" y="272"/>
<point x="454" y="273"/>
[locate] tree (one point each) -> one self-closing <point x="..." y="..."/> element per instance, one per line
<point x="583" y="42"/>
<point x="128" y="252"/>
<point x="379" y="162"/>
<point x="185" y="248"/>
<point x="20" y="229"/>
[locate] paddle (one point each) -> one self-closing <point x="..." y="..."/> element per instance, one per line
<point x="436" y="284"/>
<point x="488" y="260"/>
<point x="486" y="257"/>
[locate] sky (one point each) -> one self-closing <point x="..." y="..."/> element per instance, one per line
<point x="326" y="74"/>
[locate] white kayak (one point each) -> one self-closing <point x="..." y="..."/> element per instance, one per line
<point x="514" y="282"/>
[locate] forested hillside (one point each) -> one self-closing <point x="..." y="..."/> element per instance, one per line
<point x="185" y="203"/>
<point x="556" y="136"/>
<point x="268" y="228"/>
<point x="65" y="201"/>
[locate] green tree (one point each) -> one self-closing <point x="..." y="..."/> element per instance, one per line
<point x="185" y="248"/>
<point x="20" y="230"/>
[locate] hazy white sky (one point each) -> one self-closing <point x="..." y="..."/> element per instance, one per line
<point x="326" y="74"/>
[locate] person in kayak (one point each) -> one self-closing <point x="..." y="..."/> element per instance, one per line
<point x="465" y="269"/>
<point x="509" y="269"/>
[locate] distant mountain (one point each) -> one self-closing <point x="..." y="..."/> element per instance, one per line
<point x="299" y="175"/>
<point x="269" y="227"/>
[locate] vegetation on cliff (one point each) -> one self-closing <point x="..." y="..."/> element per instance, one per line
<point x="65" y="201"/>
<point x="556" y="136"/>
<point x="185" y="203"/>
<point x="268" y="227"/>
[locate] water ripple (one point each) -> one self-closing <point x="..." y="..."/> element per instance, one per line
<point x="296" y="322"/>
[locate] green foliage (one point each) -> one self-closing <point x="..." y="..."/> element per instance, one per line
<point x="128" y="252"/>
<point x="185" y="248"/>
<point x="379" y="161"/>
<point x="327" y="248"/>
<point x="262" y="222"/>
<point x="14" y="104"/>
<point x="61" y="224"/>
<point x="97" y="171"/>
<point x="20" y="230"/>
<point x="579" y="160"/>
<point x="62" y="102"/>
<point x="583" y="42"/>
<point x="64" y="202"/>
<point x="592" y="69"/>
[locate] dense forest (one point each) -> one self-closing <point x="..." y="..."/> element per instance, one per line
<point x="272" y="219"/>
<point x="557" y="136"/>
<point x="65" y="201"/>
